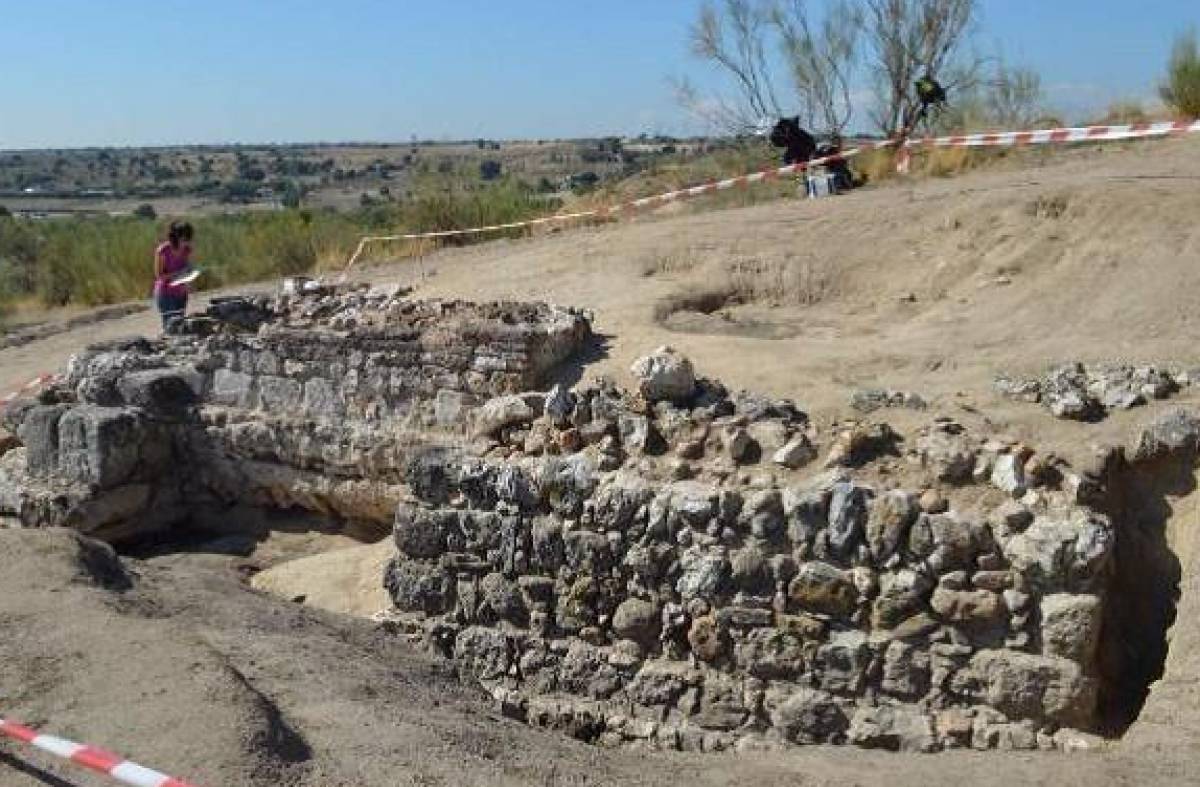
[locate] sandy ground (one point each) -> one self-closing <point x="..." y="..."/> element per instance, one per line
<point x="933" y="287"/>
<point x="186" y="669"/>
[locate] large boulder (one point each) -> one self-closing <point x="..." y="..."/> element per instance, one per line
<point x="1177" y="431"/>
<point x="418" y="587"/>
<point x="106" y="446"/>
<point x="820" y="587"/>
<point x="892" y="728"/>
<point x="162" y="391"/>
<point x="892" y="513"/>
<point x="501" y="412"/>
<point x="638" y="620"/>
<point x="808" y="716"/>
<point x="1027" y="686"/>
<point x="1062" y="552"/>
<point x="1071" y="626"/>
<point x="665" y="375"/>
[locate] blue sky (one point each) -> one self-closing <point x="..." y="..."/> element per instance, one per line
<point x="119" y="72"/>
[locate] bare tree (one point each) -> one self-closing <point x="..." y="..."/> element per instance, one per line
<point x="750" y="40"/>
<point x="734" y="39"/>
<point x="821" y="63"/>
<point x="1014" y="97"/>
<point x="909" y="38"/>
<point x="901" y="39"/>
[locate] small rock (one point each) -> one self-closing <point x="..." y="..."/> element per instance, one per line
<point x="1008" y="474"/>
<point x="820" y="587"/>
<point x="933" y="502"/>
<point x="739" y="445"/>
<point x="796" y="453"/>
<point x="707" y="639"/>
<point x="978" y="608"/>
<point x="559" y="406"/>
<point x="570" y="441"/>
<point x="887" y="525"/>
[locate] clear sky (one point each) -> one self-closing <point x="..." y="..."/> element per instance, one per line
<point x="120" y="72"/>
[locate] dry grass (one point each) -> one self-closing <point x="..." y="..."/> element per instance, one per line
<point x="876" y="165"/>
<point x="661" y="263"/>
<point x="788" y="281"/>
<point x="776" y="282"/>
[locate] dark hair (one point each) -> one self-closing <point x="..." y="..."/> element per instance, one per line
<point x="179" y="231"/>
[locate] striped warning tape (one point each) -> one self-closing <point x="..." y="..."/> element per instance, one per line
<point x="628" y="207"/>
<point x="1058" y="135"/>
<point x="991" y="139"/>
<point x="37" y="382"/>
<point x="91" y="757"/>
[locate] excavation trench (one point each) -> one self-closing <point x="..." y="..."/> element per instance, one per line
<point x="551" y="545"/>
<point x="1153" y="505"/>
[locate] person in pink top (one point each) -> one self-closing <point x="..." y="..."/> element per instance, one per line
<point x="171" y="259"/>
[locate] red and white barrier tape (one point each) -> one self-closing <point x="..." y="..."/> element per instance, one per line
<point x="992" y="139"/>
<point x="625" y="207"/>
<point x="90" y="757"/>
<point x="1049" y="136"/>
<point x="37" y="382"/>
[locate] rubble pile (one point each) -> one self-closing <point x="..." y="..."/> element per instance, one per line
<point x="1089" y="393"/>
<point x="681" y="567"/>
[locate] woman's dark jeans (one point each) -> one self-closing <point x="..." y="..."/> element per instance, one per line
<point x="170" y="308"/>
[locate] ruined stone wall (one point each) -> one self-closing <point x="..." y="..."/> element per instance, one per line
<point x="674" y="575"/>
<point x="313" y="401"/>
<point x="678" y="566"/>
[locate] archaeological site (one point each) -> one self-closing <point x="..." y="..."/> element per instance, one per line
<point x="672" y="566"/>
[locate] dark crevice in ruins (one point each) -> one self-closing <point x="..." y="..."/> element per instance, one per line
<point x="239" y="530"/>
<point x="571" y="371"/>
<point x="1143" y="590"/>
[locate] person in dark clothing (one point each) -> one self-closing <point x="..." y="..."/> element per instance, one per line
<point x="839" y="168"/>
<point x="931" y="95"/>
<point x="798" y="144"/>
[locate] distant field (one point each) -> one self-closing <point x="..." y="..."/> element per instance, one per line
<point x="222" y="179"/>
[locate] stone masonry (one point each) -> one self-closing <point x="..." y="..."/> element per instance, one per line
<point x="677" y="566"/>
<point x="673" y="568"/>
<point x="312" y="401"/>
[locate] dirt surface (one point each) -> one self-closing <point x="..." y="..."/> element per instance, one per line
<point x="178" y="665"/>
<point x="933" y="287"/>
<point x="345" y="580"/>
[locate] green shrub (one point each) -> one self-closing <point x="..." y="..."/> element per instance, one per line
<point x="110" y="259"/>
<point x="1181" y="89"/>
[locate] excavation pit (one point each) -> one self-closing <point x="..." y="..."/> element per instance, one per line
<point x="693" y="570"/>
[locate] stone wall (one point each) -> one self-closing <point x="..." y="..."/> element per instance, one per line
<point x="679" y="566"/>
<point x="313" y="401"/>
<point x="684" y="573"/>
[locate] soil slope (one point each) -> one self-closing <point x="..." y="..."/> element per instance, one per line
<point x="933" y="287"/>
